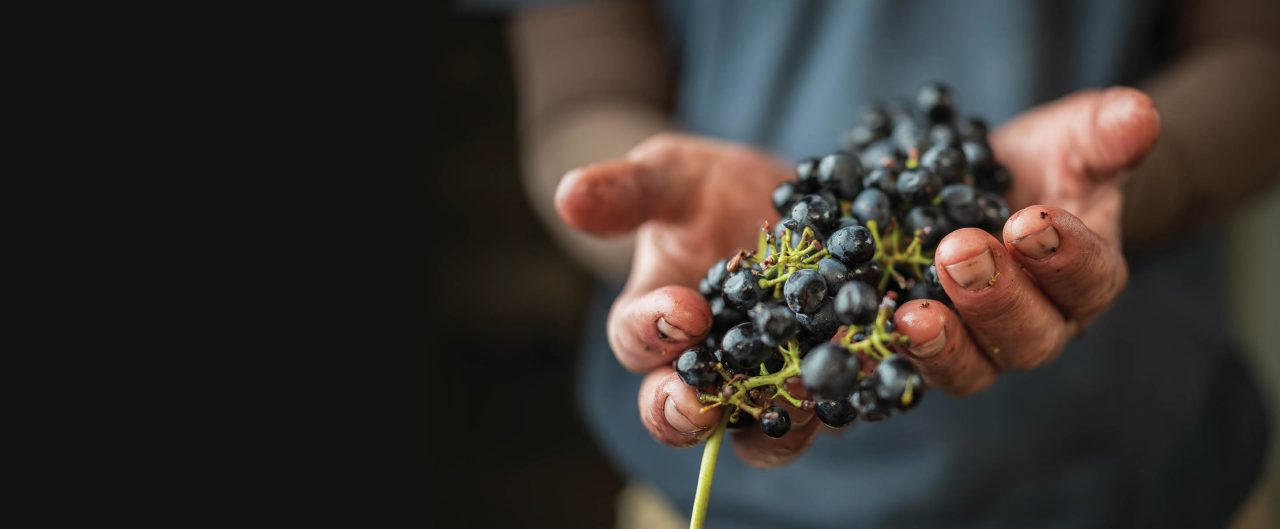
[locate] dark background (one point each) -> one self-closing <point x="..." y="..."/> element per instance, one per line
<point x="505" y="313"/>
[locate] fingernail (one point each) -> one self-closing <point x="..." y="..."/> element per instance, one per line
<point x="1040" y="244"/>
<point x="974" y="273"/>
<point x="931" y="347"/>
<point x="670" y="332"/>
<point x="677" y="420"/>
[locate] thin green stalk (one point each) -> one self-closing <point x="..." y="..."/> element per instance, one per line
<point x="707" y="473"/>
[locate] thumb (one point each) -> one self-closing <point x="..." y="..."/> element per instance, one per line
<point x="1097" y="133"/>
<point x="654" y="182"/>
<point x="611" y="198"/>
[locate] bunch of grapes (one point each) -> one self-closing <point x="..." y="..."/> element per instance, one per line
<point x="815" y="298"/>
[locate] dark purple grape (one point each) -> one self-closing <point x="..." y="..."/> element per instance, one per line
<point x="742" y="289"/>
<point x="978" y="155"/>
<point x="836" y="413"/>
<point x="830" y="372"/>
<point x="819" y="326"/>
<point x="883" y="178"/>
<point x="775" y="422"/>
<point x="935" y="104"/>
<point x="933" y="287"/>
<point x="804" y="291"/>
<point x="879" y="153"/>
<point x="867" y="402"/>
<point x="841" y="174"/>
<point x="857" y="304"/>
<point x="813" y="211"/>
<point x="973" y="129"/>
<point x="943" y="134"/>
<point x="743" y="348"/>
<point x="785" y="196"/>
<point x="833" y="272"/>
<point x="908" y="136"/>
<point x="873" y="205"/>
<point x="868" y="273"/>
<point x="945" y="161"/>
<point x="697" y="367"/>
<point x="998" y="180"/>
<point x="960" y="203"/>
<point x="717" y="273"/>
<point x="807" y="175"/>
<point x="918" y="186"/>
<point x="901" y="387"/>
<point x="930" y="222"/>
<point x="852" y="246"/>
<point x="724" y="316"/>
<point x="994" y="212"/>
<point x="776" y="323"/>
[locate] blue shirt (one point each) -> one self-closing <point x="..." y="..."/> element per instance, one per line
<point x="1147" y="420"/>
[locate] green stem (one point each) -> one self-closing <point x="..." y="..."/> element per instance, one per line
<point x="705" y="474"/>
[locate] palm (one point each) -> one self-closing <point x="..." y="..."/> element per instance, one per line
<point x="725" y="202"/>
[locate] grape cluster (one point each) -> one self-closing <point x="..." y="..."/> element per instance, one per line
<point x="815" y="298"/>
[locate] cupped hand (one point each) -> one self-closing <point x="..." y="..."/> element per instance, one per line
<point x="691" y="201"/>
<point x="1018" y="300"/>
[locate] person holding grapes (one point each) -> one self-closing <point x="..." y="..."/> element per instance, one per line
<point x="1084" y="375"/>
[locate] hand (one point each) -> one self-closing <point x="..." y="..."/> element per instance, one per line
<point x="692" y="201"/>
<point x="1018" y="302"/>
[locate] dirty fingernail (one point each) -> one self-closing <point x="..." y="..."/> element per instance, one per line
<point x="931" y="347"/>
<point x="670" y="332"/>
<point x="677" y="420"/>
<point x="1040" y="244"/>
<point x="975" y="272"/>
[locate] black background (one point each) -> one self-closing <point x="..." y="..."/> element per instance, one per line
<point x="507" y="447"/>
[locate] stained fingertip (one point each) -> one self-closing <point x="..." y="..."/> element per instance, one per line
<point x="671" y="412"/>
<point x="965" y="258"/>
<point x="602" y="198"/>
<point x="924" y="322"/>
<point x="684" y="317"/>
<point x="1030" y="231"/>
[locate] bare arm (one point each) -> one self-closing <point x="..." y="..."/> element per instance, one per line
<point x="593" y="83"/>
<point x="1220" y="113"/>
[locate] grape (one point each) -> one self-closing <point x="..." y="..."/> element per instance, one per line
<point x="830" y="372"/>
<point x="697" y="367"/>
<point x="901" y="385"/>
<point x="743" y="347"/>
<point x="852" y="246"/>
<point x="856" y="304"/>
<point x="742" y="290"/>
<point x="836" y="413"/>
<point x="775" y="422"/>
<point x="776" y="323"/>
<point x="872" y="205"/>
<point x="804" y="291"/>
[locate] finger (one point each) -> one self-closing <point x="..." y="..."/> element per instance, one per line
<point x="1007" y="315"/>
<point x="614" y="197"/>
<point x="760" y="450"/>
<point x="670" y="410"/>
<point x="1077" y="269"/>
<point x="941" y="347"/>
<point x="656" y="180"/>
<point x="651" y="329"/>
<point x="1095" y="133"/>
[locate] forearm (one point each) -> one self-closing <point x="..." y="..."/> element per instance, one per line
<point x="1219" y="110"/>
<point x="593" y="83"/>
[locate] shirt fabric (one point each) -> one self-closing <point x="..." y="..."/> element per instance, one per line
<point x="1147" y="420"/>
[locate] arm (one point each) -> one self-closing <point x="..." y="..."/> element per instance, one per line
<point x="593" y="83"/>
<point x="1219" y="113"/>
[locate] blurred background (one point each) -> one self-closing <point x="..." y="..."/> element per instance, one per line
<point x="509" y="317"/>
